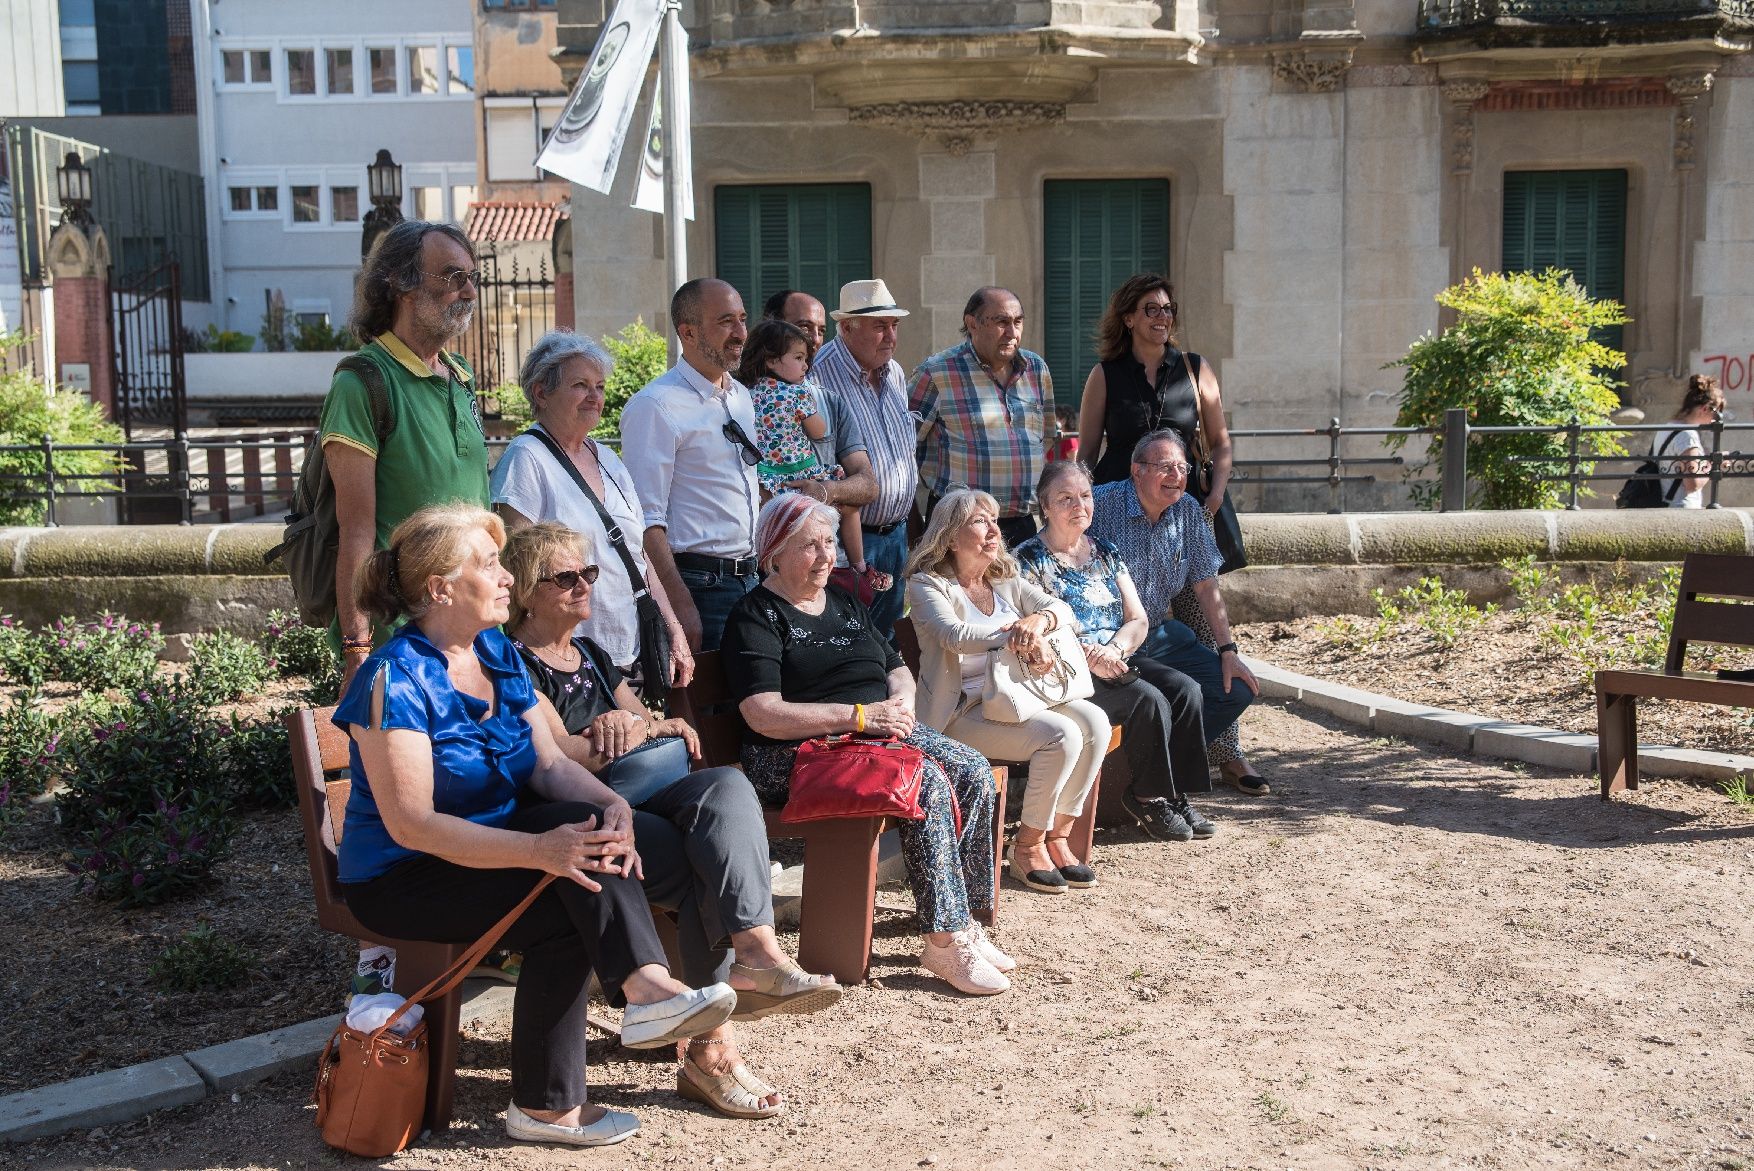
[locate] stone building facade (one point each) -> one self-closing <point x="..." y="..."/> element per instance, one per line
<point x="1310" y="173"/>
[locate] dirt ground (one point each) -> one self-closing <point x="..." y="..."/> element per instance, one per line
<point x="1401" y="958"/>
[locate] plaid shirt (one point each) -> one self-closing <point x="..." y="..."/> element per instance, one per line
<point x="980" y="435"/>
<point x="1164" y="558"/>
<point x="882" y="418"/>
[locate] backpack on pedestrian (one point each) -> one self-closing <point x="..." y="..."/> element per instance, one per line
<point x="312" y="536"/>
<point x="1645" y="488"/>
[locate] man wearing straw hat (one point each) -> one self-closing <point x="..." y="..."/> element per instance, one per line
<point x="859" y="367"/>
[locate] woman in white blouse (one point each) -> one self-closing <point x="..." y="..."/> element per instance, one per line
<point x="967" y="600"/>
<point x="563" y="377"/>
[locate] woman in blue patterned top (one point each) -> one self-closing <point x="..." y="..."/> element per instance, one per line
<point x="461" y="801"/>
<point x="1157" y="709"/>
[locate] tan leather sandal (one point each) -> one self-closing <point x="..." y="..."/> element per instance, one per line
<point x="783" y="988"/>
<point x="737" y="1094"/>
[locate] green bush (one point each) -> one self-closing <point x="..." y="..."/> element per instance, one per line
<point x="24" y="655"/>
<point x="224" y="667"/>
<point x="109" y="652"/>
<point x="214" y="340"/>
<point x="148" y="807"/>
<point x="29" y="412"/>
<point x="258" y="763"/>
<point x="1519" y="354"/>
<point x="320" y="336"/>
<point x="299" y="651"/>
<point x="640" y="356"/>
<point x="509" y="403"/>
<point x="201" y="961"/>
<point x="29" y="738"/>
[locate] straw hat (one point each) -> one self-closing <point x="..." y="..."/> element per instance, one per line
<point x="866" y="299"/>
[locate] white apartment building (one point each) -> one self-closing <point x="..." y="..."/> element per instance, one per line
<point x="295" y="101"/>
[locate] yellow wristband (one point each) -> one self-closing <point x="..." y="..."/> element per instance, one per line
<point x="858" y="717"/>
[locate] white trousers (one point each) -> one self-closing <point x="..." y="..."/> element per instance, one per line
<point x="1064" y="747"/>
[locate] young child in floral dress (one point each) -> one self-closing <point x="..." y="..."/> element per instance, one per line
<point x="776" y="360"/>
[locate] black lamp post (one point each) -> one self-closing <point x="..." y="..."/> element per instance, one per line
<point x="73" y="184"/>
<point x="384" y="184"/>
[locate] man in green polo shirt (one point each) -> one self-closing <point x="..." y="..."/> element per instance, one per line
<point x="415" y="294"/>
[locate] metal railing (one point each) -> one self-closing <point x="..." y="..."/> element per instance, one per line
<point x="227" y="479"/>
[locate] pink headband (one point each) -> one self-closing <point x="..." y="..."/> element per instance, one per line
<point x="779" y="519"/>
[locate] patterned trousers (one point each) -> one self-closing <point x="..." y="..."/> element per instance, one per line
<point x="950" y="876"/>
<point x="1185" y="608"/>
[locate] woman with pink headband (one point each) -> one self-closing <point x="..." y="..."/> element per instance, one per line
<point x="804" y="660"/>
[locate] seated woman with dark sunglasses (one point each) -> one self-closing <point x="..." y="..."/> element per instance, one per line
<point x="700" y="835"/>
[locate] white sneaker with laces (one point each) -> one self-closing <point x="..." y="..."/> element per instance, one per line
<point x="988" y="950"/>
<point x="963" y="967"/>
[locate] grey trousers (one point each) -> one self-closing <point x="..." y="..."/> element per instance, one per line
<point x="704" y="847"/>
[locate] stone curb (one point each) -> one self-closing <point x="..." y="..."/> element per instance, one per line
<point x="1482" y="736"/>
<point x="122" y="1095"/>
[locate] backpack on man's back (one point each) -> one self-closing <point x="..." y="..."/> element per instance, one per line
<point x="310" y="543"/>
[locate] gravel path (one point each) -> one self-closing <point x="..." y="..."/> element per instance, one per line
<point x="1401" y="958"/>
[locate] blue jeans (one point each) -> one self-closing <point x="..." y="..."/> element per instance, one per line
<point x="889" y="554"/>
<point x="714" y="594"/>
<point x="1174" y="645"/>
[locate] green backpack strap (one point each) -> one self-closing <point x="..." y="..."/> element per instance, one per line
<point x="377" y="393"/>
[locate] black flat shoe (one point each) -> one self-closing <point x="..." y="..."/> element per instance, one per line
<point x="1046" y="881"/>
<point x="1079" y="876"/>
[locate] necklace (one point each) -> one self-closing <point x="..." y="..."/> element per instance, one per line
<point x="549" y="655"/>
<point x="1076" y="554"/>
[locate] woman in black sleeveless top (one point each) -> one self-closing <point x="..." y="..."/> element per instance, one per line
<point x="1143" y="382"/>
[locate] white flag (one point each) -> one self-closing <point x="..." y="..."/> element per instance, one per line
<point x="649" y="195"/>
<point x="586" y="142"/>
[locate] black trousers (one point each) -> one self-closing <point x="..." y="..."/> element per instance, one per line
<point x="1159" y="717"/>
<point x="566" y="933"/>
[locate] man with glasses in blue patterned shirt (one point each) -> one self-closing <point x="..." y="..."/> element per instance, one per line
<point x="1163" y="536"/>
<point x="686" y="437"/>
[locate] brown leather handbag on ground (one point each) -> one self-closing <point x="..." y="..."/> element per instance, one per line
<point x="371" y="1087"/>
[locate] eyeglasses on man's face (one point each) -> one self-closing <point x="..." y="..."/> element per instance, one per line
<point x="454" y="279"/>
<point x="1169" y="467"/>
<point x="569" y="579"/>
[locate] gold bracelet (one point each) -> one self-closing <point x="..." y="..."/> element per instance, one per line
<point x="858" y="717"/>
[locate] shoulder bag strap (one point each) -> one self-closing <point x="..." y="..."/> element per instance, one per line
<point x="1675" y="482"/>
<point x="377" y="393"/>
<point x="616" y="536"/>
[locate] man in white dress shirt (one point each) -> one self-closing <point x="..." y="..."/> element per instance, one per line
<point x="688" y="438"/>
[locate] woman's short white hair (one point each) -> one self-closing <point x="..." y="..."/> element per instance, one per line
<point x="554" y="350"/>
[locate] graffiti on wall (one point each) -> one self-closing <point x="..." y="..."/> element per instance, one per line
<point x="1732" y="371"/>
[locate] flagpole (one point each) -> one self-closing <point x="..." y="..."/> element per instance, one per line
<point x="672" y="58"/>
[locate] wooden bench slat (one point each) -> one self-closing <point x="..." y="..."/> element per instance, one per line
<point x="1698" y="686"/>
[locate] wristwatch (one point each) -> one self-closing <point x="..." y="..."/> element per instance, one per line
<point x="1231" y="647"/>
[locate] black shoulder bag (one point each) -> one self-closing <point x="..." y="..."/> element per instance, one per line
<point x="1226" y="529"/>
<point x="654" y="632"/>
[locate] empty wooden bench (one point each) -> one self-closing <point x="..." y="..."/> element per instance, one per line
<point x="840" y="855"/>
<point x="319" y="752"/>
<point x="1714" y="604"/>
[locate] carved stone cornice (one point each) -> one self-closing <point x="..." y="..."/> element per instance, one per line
<point x="1689" y="86"/>
<point x="1465" y="93"/>
<point x="1316" y="71"/>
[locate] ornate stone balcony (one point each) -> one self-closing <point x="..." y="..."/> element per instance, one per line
<point x="1513" y="23"/>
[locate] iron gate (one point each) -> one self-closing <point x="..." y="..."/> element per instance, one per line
<point x="515" y="307"/>
<point x="151" y="403"/>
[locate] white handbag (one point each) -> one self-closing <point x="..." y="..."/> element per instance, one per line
<point x="1013" y="694"/>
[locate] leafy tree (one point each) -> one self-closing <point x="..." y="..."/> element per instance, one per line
<point x="640" y="356"/>
<point x="28" y="412"/>
<point x="1521" y="354"/>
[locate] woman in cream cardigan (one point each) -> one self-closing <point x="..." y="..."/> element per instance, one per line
<point x="967" y="599"/>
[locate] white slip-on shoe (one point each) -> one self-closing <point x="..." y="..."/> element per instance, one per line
<point x="963" y="967"/>
<point x="685" y="1015"/>
<point x="988" y="950"/>
<point x="615" y="1126"/>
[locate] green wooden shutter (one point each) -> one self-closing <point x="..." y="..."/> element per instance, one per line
<point x="1573" y="220"/>
<point x="815" y="237"/>
<point x="1096" y="234"/>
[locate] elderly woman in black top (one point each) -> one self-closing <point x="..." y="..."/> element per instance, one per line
<point x="805" y="661"/>
<point x="1141" y="383"/>
<point x="699" y="834"/>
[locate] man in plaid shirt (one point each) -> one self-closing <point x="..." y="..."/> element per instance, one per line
<point x="986" y="412"/>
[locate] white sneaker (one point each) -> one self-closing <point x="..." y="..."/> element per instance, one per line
<point x="615" y="1126"/>
<point x="988" y="950"/>
<point x="687" y="1014"/>
<point x="963" y="967"/>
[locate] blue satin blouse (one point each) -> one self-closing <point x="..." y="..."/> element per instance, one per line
<point x="479" y="762"/>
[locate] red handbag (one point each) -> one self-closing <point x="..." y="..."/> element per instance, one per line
<point x="844" y="776"/>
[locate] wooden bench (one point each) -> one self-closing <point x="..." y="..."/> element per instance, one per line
<point x="840" y="855"/>
<point x="1083" y="837"/>
<point x="319" y="751"/>
<point x="1724" y="622"/>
